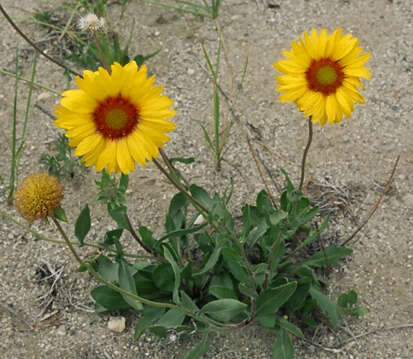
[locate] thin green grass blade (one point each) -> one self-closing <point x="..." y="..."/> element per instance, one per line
<point x="27" y="111"/>
<point x="14" y="134"/>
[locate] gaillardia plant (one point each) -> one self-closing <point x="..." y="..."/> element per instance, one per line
<point x="116" y="119"/>
<point x="210" y="270"/>
<point x="321" y="74"/>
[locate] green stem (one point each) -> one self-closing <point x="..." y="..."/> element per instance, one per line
<point x="35" y="84"/>
<point x="135" y="235"/>
<point x="180" y="188"/>
<point x="13" y="162"/>
<point x="310" y="138"/>
<point x="120" y="290"/>
<point x="67" y="241"/>
<point x="101" y="53"/>
<point x="172" y="169"/>
<point x="44" y="238"/>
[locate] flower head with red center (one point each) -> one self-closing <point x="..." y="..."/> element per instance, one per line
<point x="117" y="119"/>
<point x="321" y="74"/>
<point x="38" y="196"/>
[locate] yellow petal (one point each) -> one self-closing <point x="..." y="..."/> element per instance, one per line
<point x="289" y="67"/>
<point x="88" y="144"/>
<point x="159" y="124"/>
<point x="322" y="43"/>
<point x="107" y="157"/>
<point x="331" y="108"/>
<point x="92" y="157"/>
<point x="344" y="101"/>
<point x="293" y="95"/>
<point x="78" y="101"/>
<point x="123" y="157"/>
<point x="85" y="130"/>
<point x="150" y="149"/>
<point x="136" y="149"/>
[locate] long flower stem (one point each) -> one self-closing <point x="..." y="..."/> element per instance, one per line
<point x="35" y="84"/>
<point x="135" y="235"/>
<point x="172" y="169"/>
<point x="180" y="188"/>
<point x="11" y="22"/>
<point x="67" y="241"/>
<point x="56" y="241"/>
<point x="101" y="53"/>
<point x="310" y="138"/>
<point x="118" y="289"/>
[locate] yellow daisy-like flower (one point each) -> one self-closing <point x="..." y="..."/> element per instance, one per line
<point x="38" y="196"/>
<point x="321" y="74"/>
<point x="117" y="119"/>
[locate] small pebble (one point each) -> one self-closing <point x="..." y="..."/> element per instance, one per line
<point x="117" y="324"/>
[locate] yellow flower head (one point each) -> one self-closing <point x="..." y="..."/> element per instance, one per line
<point x="38" y="196"/>
<point x="321" y="74"/>
<point x="117" y="119"/>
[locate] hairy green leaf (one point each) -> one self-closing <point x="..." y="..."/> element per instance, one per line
<point x="282" y="348"/>
<point x="108" y="298"/>
<point x="224" y="309"/>
<point x="327" y="257"/>
<point x="270" y="300"/>
<point x="326" y="305"/>
<point x="82" y="225"/>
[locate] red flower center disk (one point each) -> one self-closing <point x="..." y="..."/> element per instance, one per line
<point x="324" y="76"/>
<point x="116" y="117"/>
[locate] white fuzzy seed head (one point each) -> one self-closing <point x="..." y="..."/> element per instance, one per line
<point x="90" y="22"/>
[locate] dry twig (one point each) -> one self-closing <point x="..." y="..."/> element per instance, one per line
<point x="376" y="205"/>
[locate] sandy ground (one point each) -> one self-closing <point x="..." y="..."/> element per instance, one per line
<point x="356" y="155"/>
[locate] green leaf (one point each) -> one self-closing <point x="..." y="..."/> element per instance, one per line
<point x="150" y="315"/>
<point x="285" y="324"/>
<point x="277" y="217"/>
<point x="352" y="297"/>
<point x="107" y="269"/>
<point x="127" y="282"/>
<point x="187" y="302"/>
<point x="282" y="348"/>
<point x="313" y="235"/>
<point x="326" y="305"/>
<point x="123" y="183"/>
<point x="270" y="300"/>
<point x="140" y="59"/>
<point x="233" y="262"/>
<point x="221" y="286"/>
<point x="59" y="213"/>
<point x="328" y="257"/>
<point x="177" y="282"/>
<point x="224" y="309"/>
<point x="186" y="160"/>
<point x="247" y="290"/>
<point x="82" y="225"/>
<point x="111" y="237"/>
<point x="267" y="321"/>
<point x="171" y="319"/>
<point x="212" y="260"/>
<point x="297" y="300"/>
<point x="264" y="203"/>
<point x="108" y="298"/>
<point x="201" y="196"/>
<point x="147" y="237"/>
<point x="163" y="277"/>
<point x="198" y="350"/>
<point x="118" y="214"/>
<point x="257" y="232"/>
